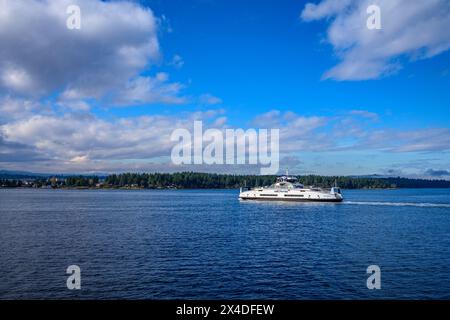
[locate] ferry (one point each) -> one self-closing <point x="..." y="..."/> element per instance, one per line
<point x="288" y="188"/>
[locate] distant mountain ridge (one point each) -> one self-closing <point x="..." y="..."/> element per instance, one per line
<point x="12" y="174"/>
<point x="8" y="174"/>
<point x="374" y="176"/>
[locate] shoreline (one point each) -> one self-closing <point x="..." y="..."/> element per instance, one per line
<point x="179" y="189"/>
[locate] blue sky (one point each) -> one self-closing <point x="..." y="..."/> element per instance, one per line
<point x="264" y="56"/>
<point x="361" y="101"/>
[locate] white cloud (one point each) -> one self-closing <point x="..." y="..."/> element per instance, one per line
<point x="79" y="159"/>
<point x="271" y="119"/>
<point x="348" y="132"/>
<point x="410" y="29"/>
<point x="117" y="41"/>
<point x="177" y="61"/>
<point x="17" y="79"/>
<point x="209" y="99"/>
<point x="423" y="140"/>
<point x="401" y="141"/>
<point x="297" y="132"/>
<point x="13" y="108"/>
<point x="324" y="9"/>
<point x="74" y="105"/>
<point x="365" y="114"/>
<point x="156" y="89"/>
<point x="78" y="137"/>
<point x="82" y="142"/>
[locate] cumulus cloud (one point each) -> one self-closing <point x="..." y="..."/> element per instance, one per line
<point x="12" y="108"/>
<point x="324" y="9"/>
<point x="410" y="30"/>
<point x="143" y="90"/>
<point x="177" y="61"/>
<point x="365" y="114"/>
<point x="348" y="132"/>
<point x="209" y="99"/>
<point x="83" y="142"/>
<point x="117" y="40"/>
<point x="300" y="133"/>
<point x="297" y="132"/>
<point x="394" y="140"/>
<point x="52" y="79"/>
<point x="83" y="137"/>
<point x="14" y="152"/>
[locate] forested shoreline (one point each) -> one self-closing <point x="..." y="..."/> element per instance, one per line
<point x="195" y="180"/>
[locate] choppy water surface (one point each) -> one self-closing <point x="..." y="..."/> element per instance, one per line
<point x="209" y="245"/>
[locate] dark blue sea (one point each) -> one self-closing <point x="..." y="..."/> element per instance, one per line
<point x="206" y="244"/>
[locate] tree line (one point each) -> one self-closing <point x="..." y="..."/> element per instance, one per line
<point x="207" y="180"/>
<point x="190" y="180"/>
<point x="196" y="180"/>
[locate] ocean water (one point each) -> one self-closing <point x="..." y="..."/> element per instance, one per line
<point x="206" y="244"/>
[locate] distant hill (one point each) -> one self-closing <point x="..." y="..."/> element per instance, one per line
<point x="7" y="174"/>
<point x="10" y="174"/>
<point x="373" y="176"/>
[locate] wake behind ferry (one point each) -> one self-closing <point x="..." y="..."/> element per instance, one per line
<point x="287" y="188"/>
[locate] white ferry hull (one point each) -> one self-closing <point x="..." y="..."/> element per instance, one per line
<point x="307" y="196"/>
<point x="289" y="199"/>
